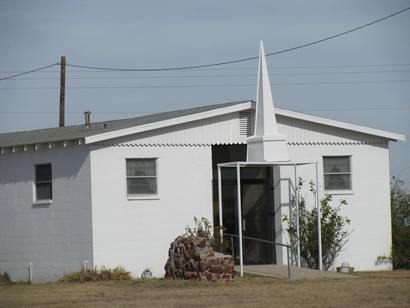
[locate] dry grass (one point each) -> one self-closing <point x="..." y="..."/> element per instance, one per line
<point x="382" y="289"/>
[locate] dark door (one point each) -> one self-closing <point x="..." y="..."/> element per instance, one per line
<point x="257" y="214"/>
<point x="257" y="204"/>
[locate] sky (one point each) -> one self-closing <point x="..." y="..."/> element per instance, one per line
<point x="361" y="78"/>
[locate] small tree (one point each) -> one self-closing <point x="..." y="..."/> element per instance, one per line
<point x="333" y="233"/>
<point x="202" y="228"/>
<point x="400" y="216"/>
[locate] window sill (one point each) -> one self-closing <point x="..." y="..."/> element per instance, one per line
<point x="142" y="197"/>
<point x="339" y="192"/>
<point x="42" y="202"/>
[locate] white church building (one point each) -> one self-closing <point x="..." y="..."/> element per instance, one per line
<point x="117" y="193"/>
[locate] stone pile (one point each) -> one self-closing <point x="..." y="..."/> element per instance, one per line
<point x="194" y="258"/>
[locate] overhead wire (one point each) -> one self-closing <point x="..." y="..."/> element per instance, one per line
<point x="28" y="72"/>
<point x="218" y="63"/>
<point x="243" y="59"/>
<point x="209" y="85"/>
<point x="216" y="76"/>
<point x="212" y="65"/>
<point x="151" y="112"/>
<point x="291" y="67"/>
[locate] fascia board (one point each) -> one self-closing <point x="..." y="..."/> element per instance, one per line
<point x="342" y="125"/>
<point x="175" y="121"/>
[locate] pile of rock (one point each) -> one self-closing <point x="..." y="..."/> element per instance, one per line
<point x="194" y="258"/>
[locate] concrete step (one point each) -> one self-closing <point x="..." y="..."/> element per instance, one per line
<point x="281" y="271"/>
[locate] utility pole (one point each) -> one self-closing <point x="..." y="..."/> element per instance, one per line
<point x="62" y="92"/>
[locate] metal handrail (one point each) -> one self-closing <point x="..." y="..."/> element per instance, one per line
<point x="264" y="241"/>
<point x="258" y="239"/>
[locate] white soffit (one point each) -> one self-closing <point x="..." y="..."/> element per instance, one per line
<point x="339" y="124"/>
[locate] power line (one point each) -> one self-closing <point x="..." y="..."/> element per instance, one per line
<point x="358" y="109"/>
<point x="151" y="112"/>
<point x="323" y="66"/>
<point x="244" y="59"/>
<point x="74" y="112"/>
<point x="219" y="63"/>
<point x="215" y="76"/>
<point x="28" y="72"/>
<point x="211" y="85"/>
<point x="245" y="68"/>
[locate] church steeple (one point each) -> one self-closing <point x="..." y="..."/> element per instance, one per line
<point x="266" y="144"/>
<point x="265" y="115"/>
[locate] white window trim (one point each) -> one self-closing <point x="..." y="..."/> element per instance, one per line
<point x="142" y="197"/>
<point x="133" y="197"/>
<point x="41" y="201"/>
<point x="338" y="191"/>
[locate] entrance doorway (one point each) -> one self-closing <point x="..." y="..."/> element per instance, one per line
<point x="257" y="203"/>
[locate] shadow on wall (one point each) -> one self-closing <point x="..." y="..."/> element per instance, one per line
<point x="19" y="167"/>
<point x="324" y="133"/>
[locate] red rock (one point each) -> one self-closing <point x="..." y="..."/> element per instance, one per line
<point x="228" y="268"/>
<point x="217" y="269"/>
<point x="208" y="276"/>
<point x="194" y="258"/>
<point x="188" y="275"/>
<point x="227" y="277"/>
<point x="202" y="243"/>
<point x="202" y="266"/>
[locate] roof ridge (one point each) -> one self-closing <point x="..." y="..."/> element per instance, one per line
<point x="219" y="105"/>
<point x="79" y="131"/>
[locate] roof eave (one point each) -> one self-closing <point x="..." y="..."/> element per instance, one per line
<point x="166" y="123"/>
<point x="5" y="149"/>
<point x="343" y="125"/>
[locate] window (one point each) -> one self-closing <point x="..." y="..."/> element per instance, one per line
<point x="43" y="182"/>
<point x="337" y="172"/>
<point x="141" y="177"/>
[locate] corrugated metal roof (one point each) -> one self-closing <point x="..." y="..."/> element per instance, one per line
<point x="107" y="129"/>
<point x="79" y="131"/>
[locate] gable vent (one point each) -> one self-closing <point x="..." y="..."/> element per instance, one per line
<point x="246" y="124"/>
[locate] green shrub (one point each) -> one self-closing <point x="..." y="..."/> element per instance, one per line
<point x="202" y="229"/>
<point x="5" y="278"/>
<point x="400" y="218"/>
<point x="334" y="235"/>
<point x="225" y="246"/>
<point x="97" y="274"/>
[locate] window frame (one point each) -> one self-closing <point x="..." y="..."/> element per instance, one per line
<point x="142" y="196"/>
<point x="37" y="201"/>
<point x="338" y="191"/>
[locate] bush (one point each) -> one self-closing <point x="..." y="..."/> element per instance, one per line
<point x="224" y="246"/>
<point x="400" y="214"/>
<point x="203" y="228"/>
<point x="5" y="278"/>
<point x="101" y="274"/>
<point x="333" y="234"/>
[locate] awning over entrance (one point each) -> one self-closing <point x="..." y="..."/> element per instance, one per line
<point x="238" y="165"/>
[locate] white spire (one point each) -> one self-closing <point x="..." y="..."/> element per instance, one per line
<point x="265" y="115"/>
<point x="266" y="144"/>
